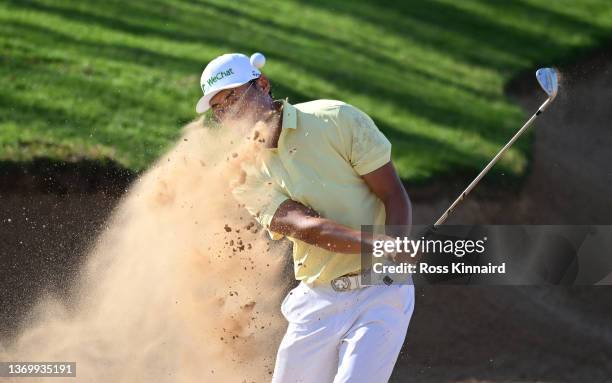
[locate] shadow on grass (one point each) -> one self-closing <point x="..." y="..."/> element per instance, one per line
<point x="355" y="68"/>
<point x="45" y="36"/>
<point x="472" y="36"/>
<point x="426" y="100"/>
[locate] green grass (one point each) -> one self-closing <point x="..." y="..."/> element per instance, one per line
<point x="117" y="79"/>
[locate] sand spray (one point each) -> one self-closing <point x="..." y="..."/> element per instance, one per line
<point x="181" y="286"/>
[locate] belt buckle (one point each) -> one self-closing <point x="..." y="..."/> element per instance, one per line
<point x="340" y="284"/>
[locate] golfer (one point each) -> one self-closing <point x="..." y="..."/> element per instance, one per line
<point x="326" y="171"/>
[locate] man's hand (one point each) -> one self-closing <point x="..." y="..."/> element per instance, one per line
<point x="391" y="255"/>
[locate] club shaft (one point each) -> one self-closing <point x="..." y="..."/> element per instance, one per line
<point x="484" y="171"/>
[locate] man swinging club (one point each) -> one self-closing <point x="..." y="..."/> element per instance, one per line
<point x="327" y="170"/>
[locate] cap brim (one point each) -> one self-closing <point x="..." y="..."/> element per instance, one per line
<point x="203" y="103"/>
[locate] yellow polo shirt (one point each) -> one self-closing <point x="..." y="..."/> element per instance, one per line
<point x="323" y="149"/>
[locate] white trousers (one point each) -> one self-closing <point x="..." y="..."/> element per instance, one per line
<point x="352" y="336"/>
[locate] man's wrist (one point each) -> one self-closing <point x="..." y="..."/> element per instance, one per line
<point x="384" y="238"/>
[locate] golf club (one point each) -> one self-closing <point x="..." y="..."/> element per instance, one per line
<point x="548" y="80"/>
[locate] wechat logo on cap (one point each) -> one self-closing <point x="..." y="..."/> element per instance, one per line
<point x="217" y="77"/>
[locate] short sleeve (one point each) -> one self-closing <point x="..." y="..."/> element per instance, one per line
<point x="261" y="196"/>
<point x="368" y="147"/>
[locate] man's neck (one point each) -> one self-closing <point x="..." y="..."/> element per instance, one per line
<point x="273" y="124"/>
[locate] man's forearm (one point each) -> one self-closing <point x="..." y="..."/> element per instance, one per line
<point x="332" y="236"/>
<point x="398" y="211"/>
<point x="300" y="222"/>
<point x="399" y="222"/>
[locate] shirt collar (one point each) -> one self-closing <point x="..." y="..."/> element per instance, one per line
<point x="289" y="115"/>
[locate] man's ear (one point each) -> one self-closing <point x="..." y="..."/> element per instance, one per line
<point x="263" y="83"/>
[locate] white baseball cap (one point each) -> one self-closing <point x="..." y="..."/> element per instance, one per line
<point x="225" y="72"/>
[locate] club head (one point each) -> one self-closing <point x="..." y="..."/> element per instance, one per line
<point x="549" y="81"/>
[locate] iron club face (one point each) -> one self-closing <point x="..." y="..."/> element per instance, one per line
<point x="549" y="81"/>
